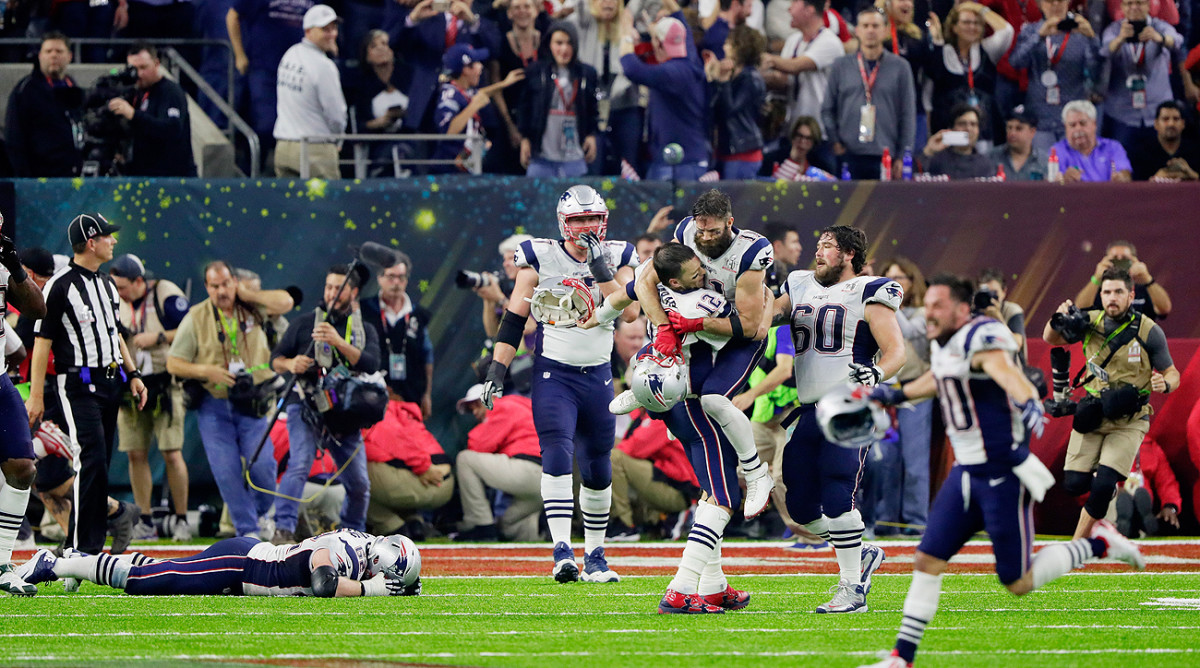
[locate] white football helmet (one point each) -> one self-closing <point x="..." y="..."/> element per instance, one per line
<point x="657" y="382"/>
<point x="850" y="419"/>
<point x="561" y="301"/>
<point x="396" y="556"/>
<point x="580" y="201"/>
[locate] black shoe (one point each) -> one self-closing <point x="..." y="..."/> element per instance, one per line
<point x="415" y="530"/>
<point x="1145" y="509"/>
<point x="120" y="526"/>
<point x="620" y="532"/>
<point x="478" y="534"/>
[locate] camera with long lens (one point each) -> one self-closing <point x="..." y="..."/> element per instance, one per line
<point x="254" y="400"/>
<point x="982" y="300"/>
<point x="1072" y="325"/>
<point x="105" y="134"/>
<point x="469" y="280"/>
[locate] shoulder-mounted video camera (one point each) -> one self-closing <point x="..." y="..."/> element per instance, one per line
<point x="348" y="403"/>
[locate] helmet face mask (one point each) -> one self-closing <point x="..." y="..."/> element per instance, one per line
<point x="396" y="557"/>
<point x="659" y="383"/>
<point x="848" y="418"/>
<point x="581" y="202"/>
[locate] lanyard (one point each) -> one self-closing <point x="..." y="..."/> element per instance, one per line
<point x="868" y="83"/>
<point x="387" y="329"/>
<point x="231" y="331"/>
<point x="1055" y="54"/>
<point x="349" y="323"/>
<point x="895" y="41"/>
<point x="966" y="65"/>
<point x="1137" y="53"/>
<point x="138" y="316"/>
<point x="568" y="105"/>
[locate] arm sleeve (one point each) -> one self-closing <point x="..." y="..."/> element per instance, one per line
<point x="1016" y="323"/>
<point x="333" y="103"/>
<point x="15" y="134"/>
<point x="829" y="106"/>
<point x="1156" y="343"/>
<point x="185" y="346"/>
<point x="50" y="327"/>
<point x="287" y="346"/>
<point x="171" y="126"/>
<point x="488" y="436"/>
<point x="368" y="361"/>
<point x="1022" y="53"/>
<point x="1163" y="482"/>
<point x="996" y="44"/>
<point x="174" y="309"/>
<point x="427" y="348"/>
<point x="908" y="110"/>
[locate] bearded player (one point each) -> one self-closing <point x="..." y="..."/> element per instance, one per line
<point x="572" y="376"/>
<point x="844" y="326"/>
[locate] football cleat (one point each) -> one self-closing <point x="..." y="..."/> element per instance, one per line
<point x="872" y="558"/>
<point x="13" y="584"/>
<point x="674" y="603"/>
<point x="40" y="568"/>
<point x="759" y="484"/>
<point x="846" y="598"/>
<point x="624" y="403"/>
<point x="595" y="568"/>
<point x="1119" y="547"/>
<point x="730" y="599"/>
<point x="889" y="660"/>
<point x="565" y="568"/>
<point x="121" y="526"/>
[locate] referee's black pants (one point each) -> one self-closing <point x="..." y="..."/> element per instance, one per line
<point x="89" y="414"/>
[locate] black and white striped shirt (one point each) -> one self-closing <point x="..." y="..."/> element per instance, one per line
<point x="81" y="319"/>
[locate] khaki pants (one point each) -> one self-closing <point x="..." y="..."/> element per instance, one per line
<point x="654" y="496"/>
<point x="770" y="439"/>
<point x="1115" y="445"/>
<point x="398" y="493"/>
<point x="322" y="160"/>
<point x="519" y="477"/>
<point x="136" y="428"/>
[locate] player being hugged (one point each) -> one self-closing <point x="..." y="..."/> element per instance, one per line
<point x="991" y="411"/>
<point x="844" y="327"/>
<point x="572" y="373"/>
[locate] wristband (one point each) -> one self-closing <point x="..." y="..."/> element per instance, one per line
<point x="1166" y="387"/>
<point x="1152" y="282"/>
<point x="606" y="313"/>
<point x="162" y="338"/>
<point x="133" y="374"/>
<point x="1094" y="280"/>
<point x="362" y="589"/>
<point x="735" y="324"/>
<point x="18" y="275"/>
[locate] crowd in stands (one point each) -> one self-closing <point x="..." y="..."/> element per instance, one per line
<point x="735" y="89"/>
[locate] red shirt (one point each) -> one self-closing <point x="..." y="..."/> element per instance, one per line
<point x="508" y="429"/>
<point x="402" y="436"/>
<point x="651" y="440"/>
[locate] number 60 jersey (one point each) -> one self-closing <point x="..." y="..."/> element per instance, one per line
<point x="830" y="330"/>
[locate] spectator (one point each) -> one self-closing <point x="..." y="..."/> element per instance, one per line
<point x="88" y="19"/>
<point x="502" y="453"/>
<point x="870" y="105"/>
<point x="653" y="464"/>
<point x="618" y="112"/>
<point x="628" y="339"/>
<point x="1141" y="52"/>
<point x="961" y="160"/>
<point x="1021" y="160"/>
<point x="518" y="50"/>
<point x="403" y="329"/>
<point x="786" y="247"/>
<point x="158" y="120"/>
<point x="1149" y="296"/>
<point x="963" y="69"/>
<point x="1151" y="483"/>
<point x="558" y="108"/>
<point x="678" y="99"/>
<point x="495" y="290"/>
<point x="1171" y="153"/>
<point x="1012" y="82"/>
<point x="464" y="109"/>
<point x="43" y="109"/>
<point x="155" y="19"/>
<point x="219" y="339"/>
<point x="1084" y="157"/>
<point x="802" y="68"/>
<point x="1062" y="59"/>
<point x="645" y="245"/>
<point x="738" y="93"/>
<point x="992" y="281"/>
<point x="379" y="99"/>
<point x="150" y="313"/>
<point x="733" y="13"/>
<point x="804" y="157"/>
<point x="309" y="99"/>
<point x="408" y="470"/>
<point x="906" y="39"/>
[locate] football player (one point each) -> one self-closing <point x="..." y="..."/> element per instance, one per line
<point x="840" y="324"/>
<point x="571" y="372"/>
<point x="16" y="447"/>
<point x="339" y="563"/>
<point x="991" y="411"/>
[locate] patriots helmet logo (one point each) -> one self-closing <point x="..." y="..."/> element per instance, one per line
<point x="893" y="290"/>
<point x="565" y="196"/>
<point x="656" y="388"/>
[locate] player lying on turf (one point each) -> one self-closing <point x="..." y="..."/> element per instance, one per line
<point x="990" y="410"/>
<point x="338" y="563"/>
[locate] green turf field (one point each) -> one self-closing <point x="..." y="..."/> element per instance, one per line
<point x="1117" y="619"/>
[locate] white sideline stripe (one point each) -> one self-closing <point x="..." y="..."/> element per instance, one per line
<point x="426" y="613"/>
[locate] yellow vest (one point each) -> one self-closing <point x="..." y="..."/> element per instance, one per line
<point x="1130" y="365"/>
<point x="213" y="345"/>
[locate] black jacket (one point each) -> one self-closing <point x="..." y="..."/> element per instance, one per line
<point x="162" y="132"/>
<point x="298" y="337"/>
<point x="540" y="89"/>
<point x="39" y="127"/>
<point x="737" y="108"/>
<point x="407" y="339"/>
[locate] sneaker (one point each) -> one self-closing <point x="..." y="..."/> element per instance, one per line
<point x="872" y="558"/>
<point x="674" y="603"/>
<point x="846" y="598"/>
<point x="71" y="585"/>
<point x="889" y="660"/>
<point x="624" y="403"/>
<point x="266" y="527"/>
<point x="595" y="568"/>
<point x="1119" y="547"/>
<point x="13" y="584"/>
<point x="479" y="533"/>
<point x="804" y="544"/>
<point x="144" y="532"/>
<point x="38" y="569"/>
<point x="181" y="531"/>
<point x="283" y="537"/>
<point x="620" y="532"/>
<point x="759" y="484"/>
<point x="730" y="599"/>
<point x="121" y="526"/>
<point x="565" y="568"/>
<point x="678" y="525"/>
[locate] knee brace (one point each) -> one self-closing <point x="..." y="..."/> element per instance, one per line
<point x="1077" y="483"/>
<point x="1103" y="488"/>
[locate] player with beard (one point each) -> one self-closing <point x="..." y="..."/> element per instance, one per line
<point x="840" y="322"/>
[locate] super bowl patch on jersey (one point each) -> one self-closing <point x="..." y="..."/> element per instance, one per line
<point x="561" y="301"/>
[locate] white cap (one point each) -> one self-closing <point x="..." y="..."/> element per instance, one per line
<point x="319" y="16"/>
<point x="475" y="393"/>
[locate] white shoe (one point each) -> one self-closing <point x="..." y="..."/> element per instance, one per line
<point x="13" y="584"/>
<point x="624" y="403"/>
<point x="71" y="585"/>
<point x="847" y="597"/>
<point x="143" y="533"/>
<point x="889" y="661"/>
<point x="1119" y="547"/>
<point x="266" y="527"/>
<point x="759" y="484"/>
<point x="181" y="531"/>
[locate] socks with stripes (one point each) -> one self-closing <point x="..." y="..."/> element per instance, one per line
<point x="845" y="534"/>
<point x="558" y="498"/>
<point x="1054" y="561"/>
<point x="919" y="607"/>
<point x="102" y="569"/>
<point x="712" y="578"/>
<point x="702" y="543"/>
<point x="736" y="427"/>
<point x="137" y="559"/>
<point x="819" y="526"/>
<point x="12" y="511"/>
<point x="594" y="504"/>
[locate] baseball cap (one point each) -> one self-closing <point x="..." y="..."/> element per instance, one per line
<point x="319" y="16"/>
<point x="89" y="226"/>
<point x="1020" y="114"/>
<point x="459" y="56"/>
<point x="672" y="35"/>
<point x="474" y="393"/>
<point x="128" y="266"/>
<point x="38" y="260"/>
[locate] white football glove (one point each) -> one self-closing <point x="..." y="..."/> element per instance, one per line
<point x="865" y="374"/>
<point x="1035" y="476"/>
<point x="376" y="586"/>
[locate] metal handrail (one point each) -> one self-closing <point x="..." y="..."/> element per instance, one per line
<point x="474" y="161"/>
<point x="235" y="121"/>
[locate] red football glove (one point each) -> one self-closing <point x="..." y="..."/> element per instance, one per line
<point x="685" y="325"/>
<point x="666" y="341"/>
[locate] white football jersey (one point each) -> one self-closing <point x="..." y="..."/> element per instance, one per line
<point x="750" y="251"/>
<point x="572" y="345"/>
<point x="830" y="330"/>
<point x="286" y="570"/>
<point x="980" y="418"/>
<point x="698" y="303"/>
<point x="4" y="278"/>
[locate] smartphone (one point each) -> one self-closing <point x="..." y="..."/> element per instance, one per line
<point x="1138" y="27"/>
<point x="1123" y="263"/>
<point x="955" y="138"/>
<point x="441" y="6"/>
<point x="1069" y="23"/>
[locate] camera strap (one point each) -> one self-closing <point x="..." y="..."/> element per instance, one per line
<point x="1128" y="331"/>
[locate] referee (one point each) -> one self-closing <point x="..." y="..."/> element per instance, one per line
<point x="92" y="366"/>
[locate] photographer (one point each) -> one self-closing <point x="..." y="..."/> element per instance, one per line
<point x="219" y="342"/>
<point x="492" y="289"/>
<point x="992" y="301"/>
<point x="43" y="113"/>
<point x="1149" y="297"/>
<point x="1126" y="359"/>
<point x="342" y="347"/>
<point x="158" y="117"/>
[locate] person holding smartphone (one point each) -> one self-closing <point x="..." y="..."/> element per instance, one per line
<point x="952" y="151"/>
<point x="1149" y="297"/>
